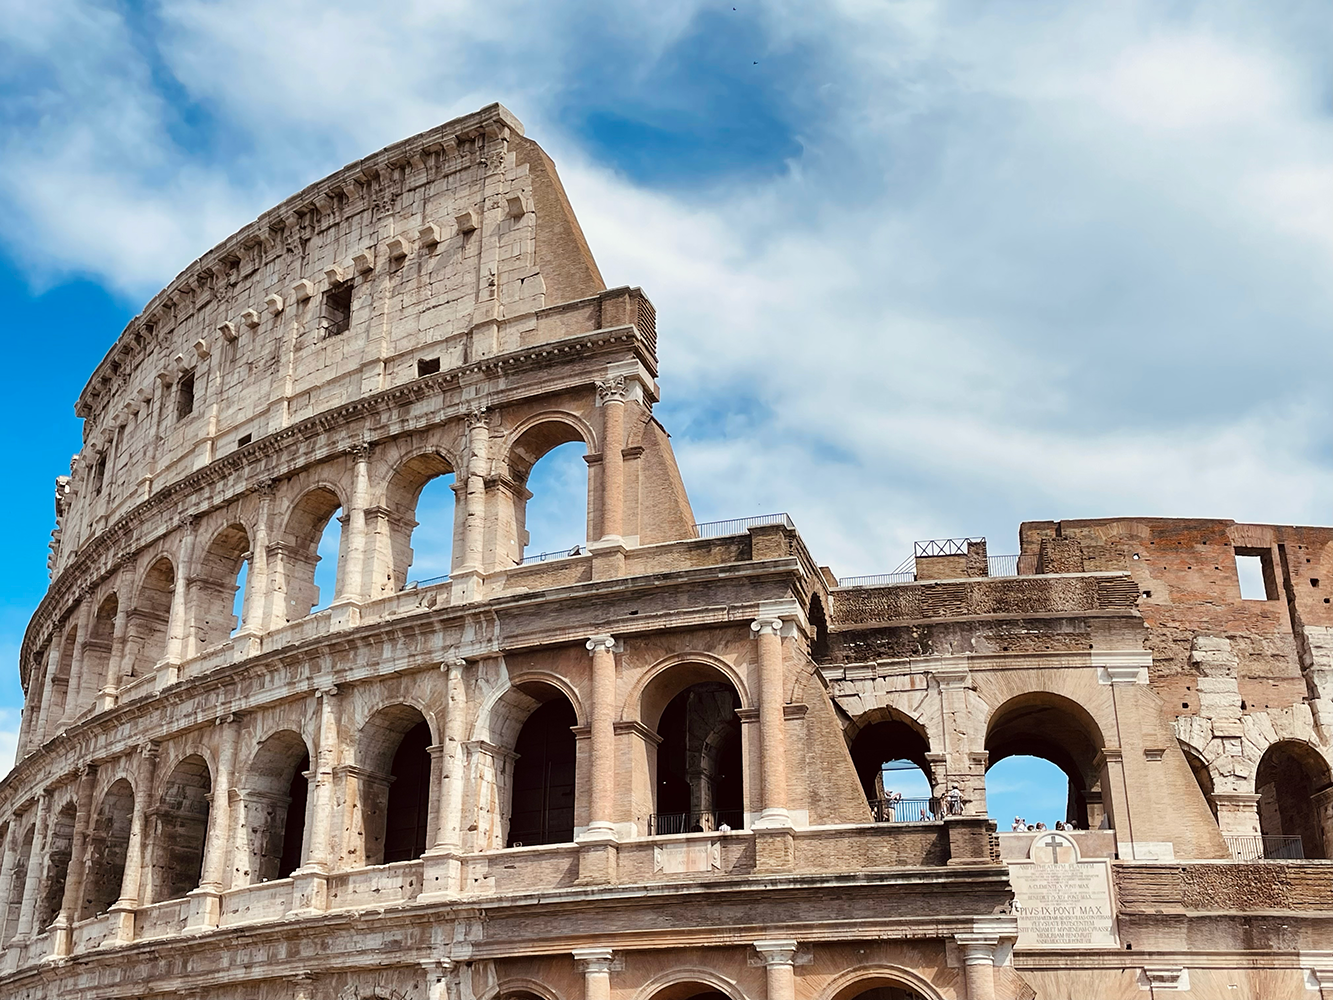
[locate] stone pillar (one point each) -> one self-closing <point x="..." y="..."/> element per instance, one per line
<point x="597" y="858"/>
<point x="38" y="736"/>
<point x="611" y="396"/>
<point x="168" y="668"/>
<point x="442" y="868"/>
<point x="1237" y="813"/>
<point x="36" y="863"/>
<point x="352" y="557"/>
<point x="8" y="863"/>
<point x="1110" y="763"/>
<point x="780" y="963"/>
<point x="1323" y="806"/>
<point x="596" y="965"/>
<point x="110" y="693"/>
<point x="979" y="963"/>
<point x="310" y="890"/>
<point x="62" y="928"/>
<point x="206" y="901"/>
<point x="437" y="977"/>
<point x="772" y="744"/>
<point x="254" y="611"/>
<point x="122" y="910"/>
<point x="471" y="562"/>
<point x="74" y="692"/>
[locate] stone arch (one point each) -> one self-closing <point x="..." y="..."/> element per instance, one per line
<point x="520" y="988"/>
<point x="98" y="647"/>
<point x="146" y="628"/>
<point x="1060" y="730"/>
<point x="181" y="828"/>
<point x="393" y="784"/>
<point x="649" y="695"/>
<point x="1295" y="791"/>
<point x="505" y="709"/>
<point x="818" y="618"/>
<point x="18" y="882"/>
<point x="401" y="496"/>
<point x="687" y="982"/>
<point x="273" y="798"/>
<point x="863" y="979"/>
<point x="1203" y="775"/>
<point x="876" y="738"/>
<point x="59" y="851"/>
<point x="213" y="588"/>
<point x="300" y="538"/>
<point x="60" y="693"/>
<point x="524" y="447"/>
<point x="108" y="845"/>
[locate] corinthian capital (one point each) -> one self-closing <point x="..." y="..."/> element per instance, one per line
<point x="611" y="390"/>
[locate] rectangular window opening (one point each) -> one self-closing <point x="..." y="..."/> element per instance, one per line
<point x="243" y="440"/>
<point x="185" y="396"/>
<point x="427" y="366"/>
<point x="337" y="316"/>
<point x="1254" y="568"/>
<point x="99" y="474"/>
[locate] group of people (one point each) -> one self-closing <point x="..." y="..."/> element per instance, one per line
<point x="1022" y="826"/>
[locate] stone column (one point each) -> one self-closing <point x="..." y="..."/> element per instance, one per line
<point x="74" y="691"/>
<point x="611" y="396"/>
<point x="1323" y="805"/>
<point x="168" y="669"/>
<point x="36" y="862"/>
<point x="110" y="693"/>
<point x="62" y="928"/>
<point x="471" y="562"/>
<point x="206" y="901"/>
<point x="602" y="800"/>
<point x="772" y="743"/>
<point x="254" y="618"/>
<point x="351" y="582"/>
<point x="448" y="834"/>
<point x="780" y="964"/>
<point x="310" y="891"/>
<point x="48" y="686"/>
<point x="596" y="964"/>
<point x="979" y="963"/>
<point x="437" y="977"/>
<point x="122" y="910"/>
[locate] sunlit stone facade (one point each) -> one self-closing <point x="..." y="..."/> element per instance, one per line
<point x="647" y="769"/>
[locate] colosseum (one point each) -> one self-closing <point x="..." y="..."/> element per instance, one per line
<point x="647" y="768"/>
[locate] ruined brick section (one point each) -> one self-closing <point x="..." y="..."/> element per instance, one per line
<point x="651" y="768"/>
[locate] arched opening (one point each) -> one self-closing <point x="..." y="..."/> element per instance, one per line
<point x="217" y="588"/>
<point x="273" y="798"/>
<point x="182" y="829"/>
<point x="700" y="767"/>
<point x="18" y="883"/>
<point x="60" y="682"/>
<point x="1289" y="776"/>
<point x="108" y="843"/>
<point x="1027" y="793"/>
<point x="421" y="503"/>
<point x="394" y="784"/>
<point x="146" y="638"/>
<point x="97" y="650"/>
<point x="879" y="988"/>
<point x="542" y="802"/>
<point x="890" y="752"/>
<point x="1202" y="775"/>
<point x="690" y="991"/>
<point x="311" y="564"/>
<point x="1057" y="730"/>
<point x="59" y="850"/>
<point x="819" y="626"/>
<point x="551" y="511"/>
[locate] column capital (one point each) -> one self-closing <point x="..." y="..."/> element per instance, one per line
<point x="762" y="625"/>
<point x="611" y="390"/>
<point x="475" y="417"/>
<point x="606" y="642"/>
<point x="360" y="452"/>
<point x="594" y="959"/>
<point x="777" y="951"/>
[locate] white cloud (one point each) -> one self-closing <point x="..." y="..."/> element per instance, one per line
<point x="9" y="739"/>
<point x="1025" y="266"/>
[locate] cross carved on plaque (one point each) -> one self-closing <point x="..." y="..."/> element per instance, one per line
<point x="1054" y="843"/>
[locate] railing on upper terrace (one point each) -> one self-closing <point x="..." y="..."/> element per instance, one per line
<point x="995" y="566"/>
<point x="1248" y="847"/>
<point x="695" y="822"/>
<point x="739" y="525"/>
<point x="565" y="553"/>
<point x="900" y="810"/>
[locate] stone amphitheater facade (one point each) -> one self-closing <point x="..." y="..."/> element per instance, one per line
<point x="650" y="769"/>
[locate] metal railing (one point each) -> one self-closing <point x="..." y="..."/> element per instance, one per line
<point x="430" y="581"/>
<point x="1002" y="565"/>
<point x="943" y="547"/>
<point x="1250" y="847"/>
<point x="695" y="822"/>
<point x="536" y="557"/>
<point x="882" y="580"/>
<point x="739" y="525"/>
<point x="895" y="810"/>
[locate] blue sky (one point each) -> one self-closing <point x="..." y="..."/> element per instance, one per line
<point x="922" y="269"/>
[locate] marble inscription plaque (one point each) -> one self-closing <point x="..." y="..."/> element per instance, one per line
<point x="1063" y="902"/>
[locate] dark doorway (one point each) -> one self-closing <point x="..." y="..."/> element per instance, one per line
<point x="409" y="797"/>
<point x="543" y="802"/>
<point x="293" y="834"/>
<point x="699" y="772"/>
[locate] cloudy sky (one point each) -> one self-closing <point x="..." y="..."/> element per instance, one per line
<point x="922" y="269"/>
